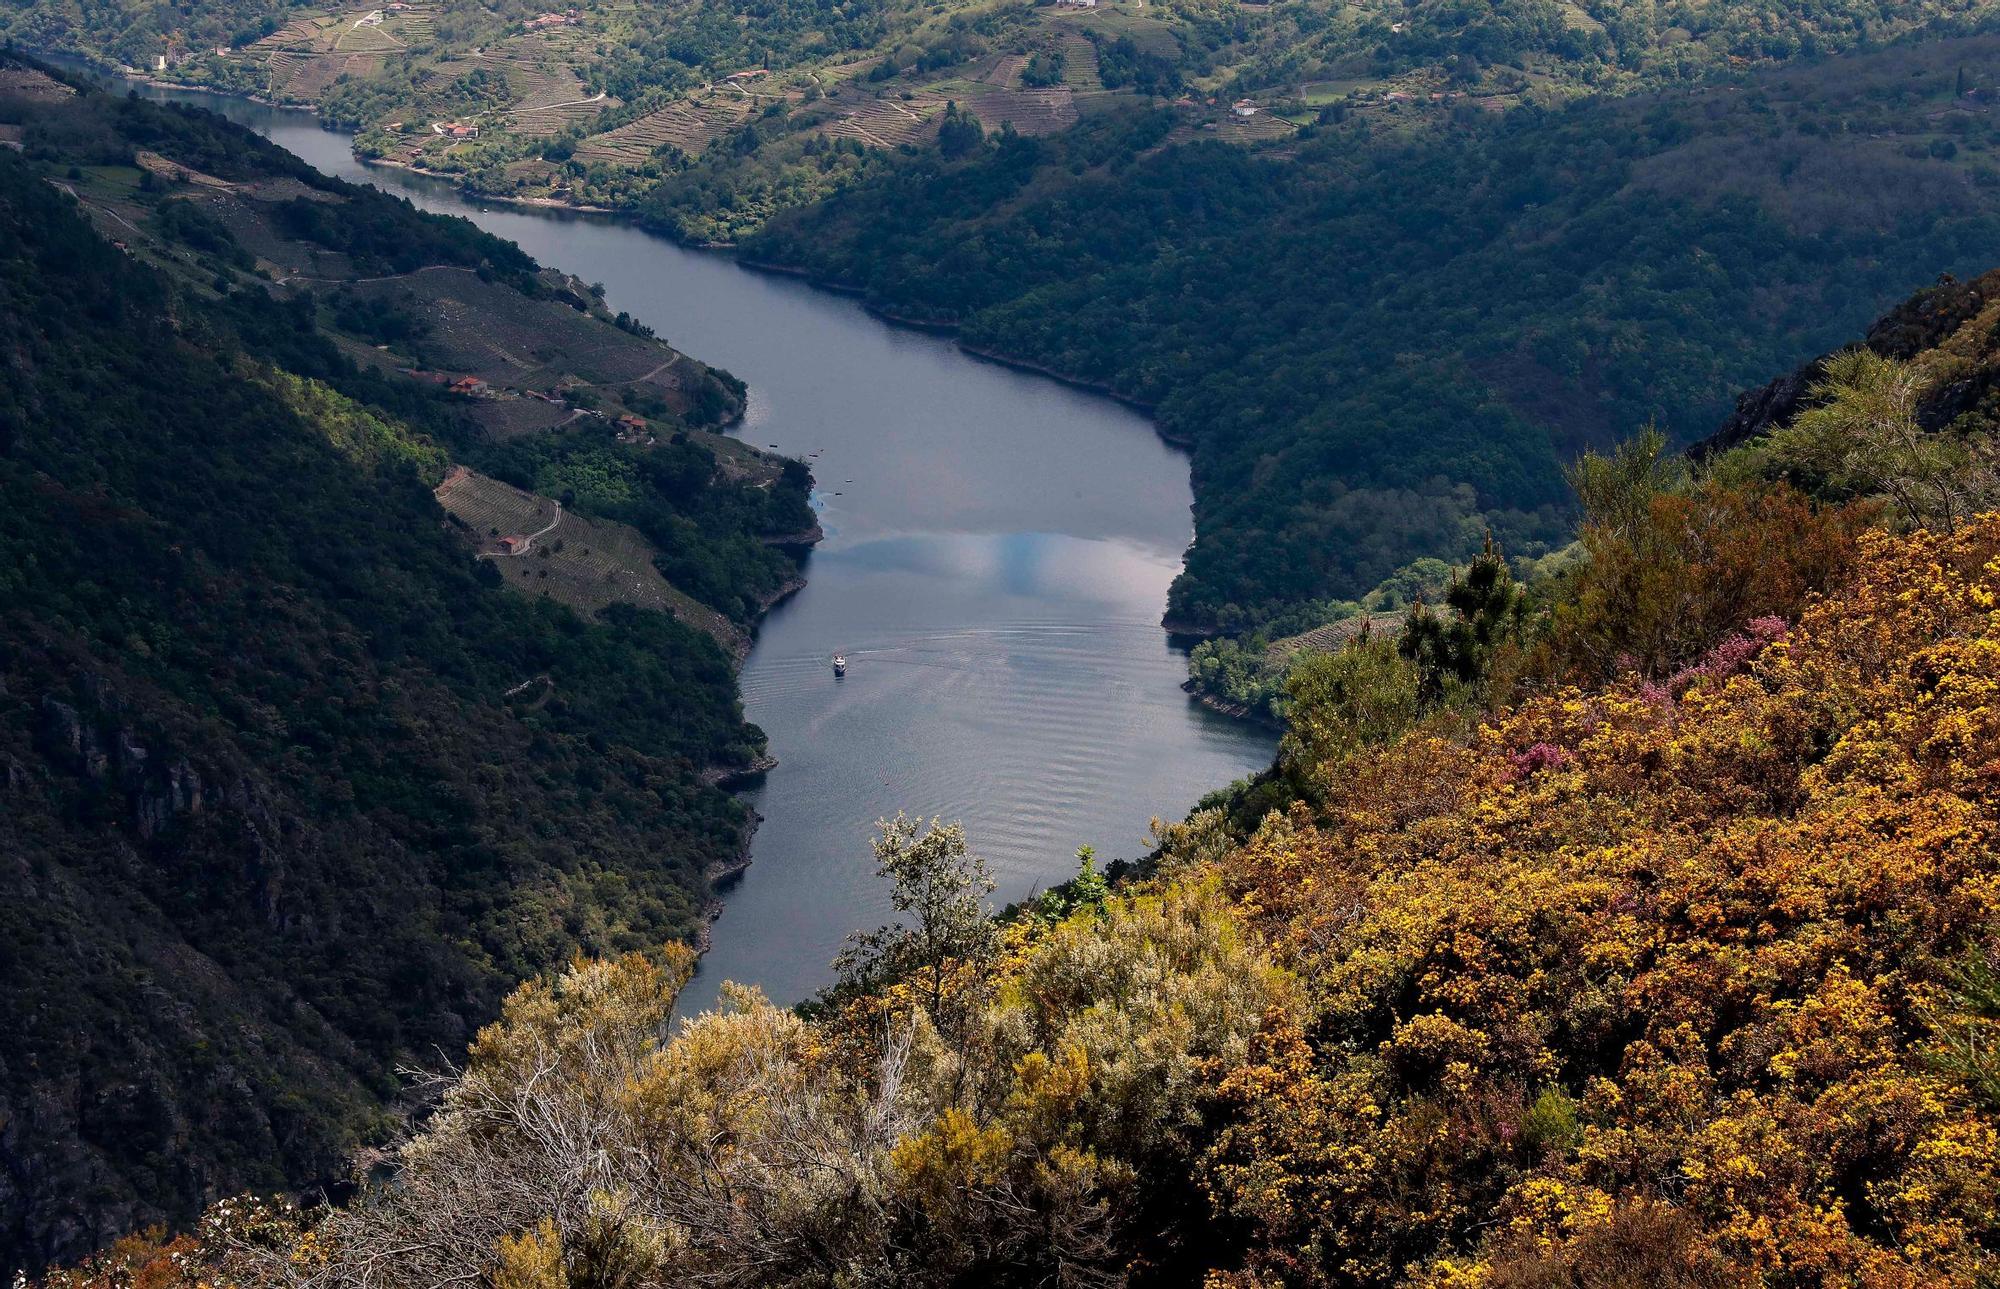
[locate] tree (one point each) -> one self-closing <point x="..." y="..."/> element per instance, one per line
<point x="1864" y="439"/>
<point x="1088" y="889"/>
<point x="1655" y="593"/>
<point x="1617" y="491"/>
<point x="960" y="134"/>
<point x="1342" y="703"/>
<point x="939" y="889"/>
<point x="1455" y="654"/>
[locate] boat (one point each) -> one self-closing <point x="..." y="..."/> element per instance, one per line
<point x="840" y="664"/>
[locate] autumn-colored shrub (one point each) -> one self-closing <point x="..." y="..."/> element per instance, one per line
<point x="1646" y="1244"/>
<point x="1660" y="589"/>
<point x="1727" y="918"/>
<point x="1686" y="980"/>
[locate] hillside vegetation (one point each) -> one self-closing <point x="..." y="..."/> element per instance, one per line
<point x="1449" y="246"/>
<point x="1639" y="926"/>
<point x="292" y="790"/>
<point x="727" y="115"/>
<point x="1380" y="349"/>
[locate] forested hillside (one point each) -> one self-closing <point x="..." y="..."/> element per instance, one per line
<point x="1384" y="267"/>
<point x="1380" y="348"/>
<point x="1636" y="926"/>
<point x="292" y="789"/>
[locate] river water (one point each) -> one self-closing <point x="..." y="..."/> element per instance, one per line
<point x="998" y="548"/>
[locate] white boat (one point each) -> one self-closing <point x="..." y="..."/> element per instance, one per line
<point x="840" y="664"/>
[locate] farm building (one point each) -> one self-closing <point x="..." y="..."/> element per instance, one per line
<point x="1243" y="107"/>
<point x="468" y="385"/>
<point x="513" y="545"/>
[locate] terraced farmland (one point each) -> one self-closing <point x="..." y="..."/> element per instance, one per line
<point x="487" y="330"/>
<point x="304" y="35"/>
<point x="1006" y="71"/>
<point x="886" y="122"/>
<point x="307" y="55"/>
<point x="587" y="564"/>
<point x="1230" y="128"/>
<point x="415" y="26"/>
<point x="363" y="37"/>
<point x="511" y="418"/>
<point x="1032" y="111"/>
<point x="548" y="98"/>
<point x="1256" y="129"/>
<point x="688" y="124"/>
<point x="834" y="73"/>
<point x="31" y="86"/>
<point x="1080" y="63"/>
<point x="1334" y="636"/>
<point x="305" y="77"/>
<point x="1152" y="35"/>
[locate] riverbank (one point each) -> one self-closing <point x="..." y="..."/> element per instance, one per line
<point x="943" y="327"/>
<point x="1235" y="711"/>
<point x="555" y="205"/>
<point x="997" y="550"/>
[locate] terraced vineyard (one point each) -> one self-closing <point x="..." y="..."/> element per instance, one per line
<point x="1333" y="636"/>
<point x="523" y="89"/>
<point x="1030" y="111"/>
<point x="1005" y="71"/>
<point x="513" y="416"/>
<point x="1255" y="129"/>
<point x="366" y="37"/>
<point x="417" y="26"/>
<point x="307" y="55"/>
<point x="549" y="97"/>
<point x="585" y="563"/>
<point x="313" y="76"/>
<point x="483" y="329"/>
<point x="687" y="124"/>
<point x="301" y="35"/>
<point x="1080" y="62"/>
<point x="886" y="122"/>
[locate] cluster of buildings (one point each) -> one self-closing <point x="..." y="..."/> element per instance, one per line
<point x="1243" y="107"/>
<point x="632" y="429"/>
<point x="567" y="18"/>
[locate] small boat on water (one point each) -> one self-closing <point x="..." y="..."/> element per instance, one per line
<point x="840" y="664"/>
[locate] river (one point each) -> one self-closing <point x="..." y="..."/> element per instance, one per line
<point x="997" y="554"/>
